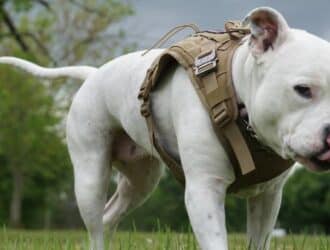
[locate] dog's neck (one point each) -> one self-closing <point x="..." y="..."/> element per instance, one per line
<point x="242" y="75"/>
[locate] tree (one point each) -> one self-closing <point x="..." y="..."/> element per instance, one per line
<point x="49" y="33"/>
<point x="63" y="31"/>
<point x="29" y="141"/>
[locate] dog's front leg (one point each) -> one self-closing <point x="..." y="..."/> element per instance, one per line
<point x="206" y="166"/>
<point x="205" y="191"/>
<point x="262" y="211"/>
<point x="204" y="198"/>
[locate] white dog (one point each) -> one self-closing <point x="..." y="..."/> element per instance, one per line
<point x="282" y="76"/>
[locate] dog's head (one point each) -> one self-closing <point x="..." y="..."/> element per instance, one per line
<point x="288" y="91"/>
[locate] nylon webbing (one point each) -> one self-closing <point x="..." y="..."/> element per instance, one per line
<point x="175" y="168"/>
<point x="240" y="148"/>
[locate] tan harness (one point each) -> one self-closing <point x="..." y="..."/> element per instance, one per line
<point x="207" y="59"/>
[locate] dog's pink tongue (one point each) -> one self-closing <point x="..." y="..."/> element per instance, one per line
<point x="325" y="156"/>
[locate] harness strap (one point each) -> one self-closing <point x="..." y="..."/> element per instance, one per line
<point x="240" y="148"/>
<point x="232" y="132"/>
<point x="144" y="95"/>
<point x="174" y="166"/>
<point x="220" y="101"/>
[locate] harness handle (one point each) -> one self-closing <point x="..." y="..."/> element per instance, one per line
<point x="170" y="34"/>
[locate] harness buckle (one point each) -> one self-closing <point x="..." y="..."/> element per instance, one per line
<point x="220" y="115"/>
<point x="145" y="108"/>
<point x="142" y="93"/>
<point x="205" y="62"/>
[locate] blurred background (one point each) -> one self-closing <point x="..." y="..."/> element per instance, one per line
<point x="36" y="182"/>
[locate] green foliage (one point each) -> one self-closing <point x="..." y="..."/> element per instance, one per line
<point x="305" y="207"/>
<point x="166" y="208"/>
<point x="235" y="214"/>
<point x="30" y="142"/>
<point x="65" y="31"/>
<point x="31" y="111"/>
<point x="29" y="115"/>
<point x="306" y="203"/>
<point x="21" y="5"/>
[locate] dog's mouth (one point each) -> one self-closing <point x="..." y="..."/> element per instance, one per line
<point x="319" y="162"/>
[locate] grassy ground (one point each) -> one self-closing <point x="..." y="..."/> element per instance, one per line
<point x="76" y="240"/>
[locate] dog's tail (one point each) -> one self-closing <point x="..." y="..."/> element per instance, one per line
<point x="78" y="72"/>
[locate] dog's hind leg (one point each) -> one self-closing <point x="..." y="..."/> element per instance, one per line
<point x="136" y="182"/>
<point x="89" y="142"/>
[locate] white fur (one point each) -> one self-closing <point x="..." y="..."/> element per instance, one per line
<point x="79" y="72"/>
<point x="107" y="102"/>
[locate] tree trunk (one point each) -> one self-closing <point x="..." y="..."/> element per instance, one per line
<point x="15" y="220"/>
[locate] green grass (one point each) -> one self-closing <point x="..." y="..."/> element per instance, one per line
<point x="77" y="240"/>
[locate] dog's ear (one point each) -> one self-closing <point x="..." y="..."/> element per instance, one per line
<point x="269" y="29"/>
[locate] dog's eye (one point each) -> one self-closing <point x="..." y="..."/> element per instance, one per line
<point x="304" y="91"/>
